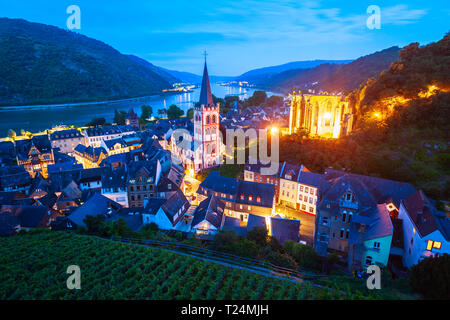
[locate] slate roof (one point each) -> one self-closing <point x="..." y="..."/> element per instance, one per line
<point x="256" y="167"/>
<point x="8" y="224"/>
<point x="132" y="216"/>
<point x="254" y="189"/>
<point x="310" y="178"/>
<point x="65" y="134"/>
<point x="211" y="209"/>
<point x="114" y="178"/>
<point x="425" y="216"/>
<point x="29" y="216"/>
<point x="94" y="206"/>
<point x="285" y="229"/>
<point x="106" y="130"/>
<point x="377" y="221"/>
<point x="174" y="204"/>
<point x="256" y="221"/>
<point x="15" y="176"/>
<point x="205" y="91"/>
<point x="153" y="205"/>
<point x="41" y="142"/>
<point x="381" y="190"/>
<point x="214" y="181"/>
<point x="234" y="224"/>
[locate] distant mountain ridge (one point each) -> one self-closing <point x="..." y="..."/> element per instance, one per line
<point x="333" y="77"/>
<point x="42" y="64"/>
<point x="260" y="75"/>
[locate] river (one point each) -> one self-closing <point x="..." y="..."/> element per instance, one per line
<point x="38" y="118"/>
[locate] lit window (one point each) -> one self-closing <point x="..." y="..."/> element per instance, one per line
<point x="368" y="260"/>
<point x="258" y="199"/>
<point x="433" y="244"/>
<point x="250" y="198"/>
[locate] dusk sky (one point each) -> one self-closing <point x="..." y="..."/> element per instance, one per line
<point x="245" y="34"/>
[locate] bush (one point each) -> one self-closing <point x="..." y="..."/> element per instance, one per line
<point x="305" y="256"/>
<point x="431" y="277"/>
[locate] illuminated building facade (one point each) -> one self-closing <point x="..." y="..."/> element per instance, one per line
<point x="320" y="114"/>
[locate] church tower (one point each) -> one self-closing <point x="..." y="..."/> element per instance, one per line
<point x="206" y="128"/>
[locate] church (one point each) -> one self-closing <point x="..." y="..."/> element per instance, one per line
<point x="201" y="146"/>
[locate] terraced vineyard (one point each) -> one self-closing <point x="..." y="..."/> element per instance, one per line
<point x="33" y="266"/>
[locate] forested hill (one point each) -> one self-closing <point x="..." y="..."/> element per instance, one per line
<point x="41" y="64"/>
<point x="333" y="77"/>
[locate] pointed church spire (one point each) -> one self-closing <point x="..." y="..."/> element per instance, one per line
<point x="205" y="92"/>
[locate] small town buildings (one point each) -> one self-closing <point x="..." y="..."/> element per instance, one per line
<point x="208" y="217"/>
<point x="426" y="230"/>
<point x="252" y="172"/>
<point x="95" y="136"/>
<point x="35" y="154"/>
<point x="142" y="180"/>
<point x="307" y="192"/>
<point x="288" y="184"/>
<point x="97" y="205"/>
<point x="67" y="140"/>
<point x="240" y="197"/>
<point x="27" y="216"/>
<point x="166" y="213"/>
<point x="15" y="178"/>
<point x="132" y="119"/>
<point x="349" y="219"/>
<point x="201" y="147"/>
<point x="114" y="185"/>
<point x="284" y="229"/>
<point x="89" y="157"/>
<point x="122" y="144"/>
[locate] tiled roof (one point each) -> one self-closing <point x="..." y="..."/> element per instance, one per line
<point x="255" y="221"/>
<point x="310" y="178"/>
<point x="65" y="134"/>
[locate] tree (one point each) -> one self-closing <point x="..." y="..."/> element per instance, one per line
<point x="430" y="277"/>
<point x="258" y="235"/>
<point x="257" y="98"/>
<point x="190" y="113"/>
<point x="273" y="101"/>
<point x="305" y="256"/>
<point x="12" y="134"/>
<point x="174" y="112"/>
<point x="96" y="122"/>
<point x="119" y="117"/>
<point x="146" y="112"/>
<point x="95" y="225"/>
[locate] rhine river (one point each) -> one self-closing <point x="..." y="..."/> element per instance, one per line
<point x="37" y="118"/>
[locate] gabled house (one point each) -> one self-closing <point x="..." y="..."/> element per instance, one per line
<point x="29" y="216"/>
<point x="89" y="157"/>
<point x="426" y="230"/>
<point x="35" y="154"/>
<point x="354" y="216"/>
<point x="94" y="206"/>
<point x="66" y="140"/>
<point x="114" y="185"/>
<point x="208" y="217"/>
<point x="15" y="178"/>
<point x="142" y="180"/>
<point x="166" y="213"/>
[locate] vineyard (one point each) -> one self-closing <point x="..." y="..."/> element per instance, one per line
<point x="33" y="266"/>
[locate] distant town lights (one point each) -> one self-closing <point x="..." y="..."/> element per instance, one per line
<point x="274" y="130"/>
<point x="327" y="115"/>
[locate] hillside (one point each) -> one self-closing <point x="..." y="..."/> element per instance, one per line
<point x="334" y="77"/>
<point x="33" y="266"/>
<point x="262" y="75"/>
<point x="41" y="64"/>
<point x="401" y="128"/>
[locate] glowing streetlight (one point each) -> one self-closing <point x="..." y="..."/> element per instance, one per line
<point x="274" y="130"/>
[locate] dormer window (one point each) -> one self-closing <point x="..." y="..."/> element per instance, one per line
<point x="258" y="199"/>
<point x="242" y="196"/>
<point x="250" y="198"/>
